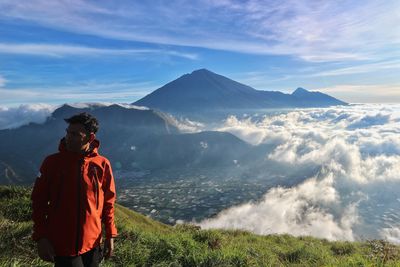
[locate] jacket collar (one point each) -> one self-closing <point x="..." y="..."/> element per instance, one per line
<point x="93" y="150"/>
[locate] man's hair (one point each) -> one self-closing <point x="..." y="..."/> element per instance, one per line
<point x="88" y="121"/>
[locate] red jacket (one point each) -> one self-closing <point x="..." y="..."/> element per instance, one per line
<point x="73" y="195"/>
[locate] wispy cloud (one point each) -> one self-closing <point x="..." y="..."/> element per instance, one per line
<point x="362" y="68"/>
<point x="68" y="50"/>
<point x="12" y="117"/>
<point x="2" y="81"/>
<point x="110" y="92"/>
<point x="365" y="93"/>
<point x="265" y="79"/>
<point x="343" y="31"/>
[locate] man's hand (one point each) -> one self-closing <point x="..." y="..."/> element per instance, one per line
<point x="45" y="250"/>
<point x="108" y="247"/>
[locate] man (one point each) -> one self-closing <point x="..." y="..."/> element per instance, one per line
<point x="72" y="196"/>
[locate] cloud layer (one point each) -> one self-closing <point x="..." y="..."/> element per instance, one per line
<point x="354" y="193"/>
<point x="52" y="50"/>
<point x="87" y="91"/>
<point x="2" y="81"/>
<point x="13" y="117"/>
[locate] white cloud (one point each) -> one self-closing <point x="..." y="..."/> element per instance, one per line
<point x="346" y="164"/>
<point x="391" y="234"/>
<point x="88" y="92"/>
<point x="184" y="125"/>
<point x="105" y="104"/>
<point x="12" y="117"/>
<point x="134" y="107"/>
<point x="244" y="129"/>
<point x="364" y="93"/>
<point x="2" y="81"/>
<point x="370" y="120"/>
<point x="361" y="68"/>
<point x="301" y="210"/>
<point x="54" y="50"/>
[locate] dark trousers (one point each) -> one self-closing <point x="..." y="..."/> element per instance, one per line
<point x="91" y="258"/>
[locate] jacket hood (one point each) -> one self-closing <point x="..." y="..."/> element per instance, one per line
<point x="93" y="150"/>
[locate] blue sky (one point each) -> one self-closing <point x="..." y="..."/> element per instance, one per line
<point x="119" y="51"/>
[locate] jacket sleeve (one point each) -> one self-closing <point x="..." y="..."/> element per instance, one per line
<point x="40" y="202"/>
<point x="109" y="201"/>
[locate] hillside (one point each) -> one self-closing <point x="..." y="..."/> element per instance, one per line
<point x="144" y="242"/>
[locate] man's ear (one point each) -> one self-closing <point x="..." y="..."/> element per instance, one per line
<point x="92" y="137"/>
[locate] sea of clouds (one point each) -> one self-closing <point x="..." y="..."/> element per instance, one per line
<point x="355" y="194"/>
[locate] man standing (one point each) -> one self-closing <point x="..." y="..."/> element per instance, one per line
<point x="73" y="196"/>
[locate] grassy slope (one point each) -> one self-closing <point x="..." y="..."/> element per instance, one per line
<point x="145" y="242"/>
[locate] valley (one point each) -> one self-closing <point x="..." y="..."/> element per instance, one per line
<point x="174" y="196"/>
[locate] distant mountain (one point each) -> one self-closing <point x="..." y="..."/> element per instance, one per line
<point x="131" y="138"/>
<point x="314" y="99"/>
<point x="205" y="91"/>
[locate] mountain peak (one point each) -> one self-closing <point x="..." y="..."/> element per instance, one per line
<point x="198" y="74"/>
<point x="201" y="89"/>
<point x="201" y="74"/>
<point x="300" y="90"/>
<point x="202" y="71"/>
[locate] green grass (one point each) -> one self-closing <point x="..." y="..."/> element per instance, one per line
<point x="145" y="242"/>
